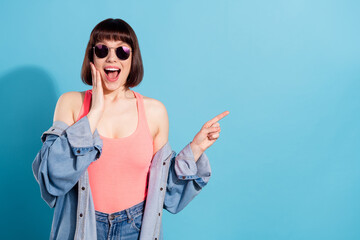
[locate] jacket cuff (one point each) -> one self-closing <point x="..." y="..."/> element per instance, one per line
<point x="80" y="138"/>
<point x="57" y="128"/>
<point x="187" y="169"/>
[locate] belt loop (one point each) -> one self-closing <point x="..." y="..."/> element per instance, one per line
<point x="128" y="215"/>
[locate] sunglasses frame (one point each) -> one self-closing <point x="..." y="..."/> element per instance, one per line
<point x="110" y="49"/>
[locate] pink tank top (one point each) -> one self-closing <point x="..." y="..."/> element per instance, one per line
<point x="119" y="178"/>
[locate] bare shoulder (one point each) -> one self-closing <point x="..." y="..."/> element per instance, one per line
<point x="155" y="107"/>
<point x="67" y="105"/>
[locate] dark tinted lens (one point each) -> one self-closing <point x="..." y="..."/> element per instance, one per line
<point x="123" y="52"/>
<point x="101" y="51"/>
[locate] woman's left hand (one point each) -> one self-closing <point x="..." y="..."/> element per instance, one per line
<point x="208" y="134"/>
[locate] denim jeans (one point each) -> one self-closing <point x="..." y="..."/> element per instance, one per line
<point x="122" y="225"/>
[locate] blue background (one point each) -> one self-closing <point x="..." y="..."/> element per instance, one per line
<point x="286" y="165"/>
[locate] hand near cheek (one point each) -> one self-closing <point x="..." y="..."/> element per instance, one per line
<point x="97" y="102"/>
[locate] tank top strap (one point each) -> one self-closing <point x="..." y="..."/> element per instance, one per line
<point x="142" y="115"/>
<point x="140" y="102"/>
<point x="85" y="107"/>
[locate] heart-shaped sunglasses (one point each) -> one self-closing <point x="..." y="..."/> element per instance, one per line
<point x="102" y="51"/>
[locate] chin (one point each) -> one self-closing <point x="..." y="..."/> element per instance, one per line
<point x="113" y="85"/>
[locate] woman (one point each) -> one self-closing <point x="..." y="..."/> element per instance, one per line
<point x="106" y="165"/>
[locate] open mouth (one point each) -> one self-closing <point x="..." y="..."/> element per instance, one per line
<point x="112" y="74"/>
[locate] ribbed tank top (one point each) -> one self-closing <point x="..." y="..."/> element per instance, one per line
<point x="119" y="178"/>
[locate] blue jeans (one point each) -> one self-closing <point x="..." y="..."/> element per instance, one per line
<point x="123" y="225"/>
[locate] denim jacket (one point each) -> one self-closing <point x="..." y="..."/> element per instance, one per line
<point x="60" y="168"/>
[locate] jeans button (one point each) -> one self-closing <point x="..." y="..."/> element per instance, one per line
<point x="111" y="217"/>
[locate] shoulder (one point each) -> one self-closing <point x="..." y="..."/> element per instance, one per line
<point x="157" y="116"/>
<point x="155" y="107"/>
<point x="72" y="99"/>
<point x="66" y="105"/>
<point x="73" y="95"/>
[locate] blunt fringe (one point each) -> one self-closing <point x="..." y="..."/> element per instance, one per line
<point x="115" y="30"/>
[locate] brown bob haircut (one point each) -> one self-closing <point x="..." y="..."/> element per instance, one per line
<point x="116" y="30"/>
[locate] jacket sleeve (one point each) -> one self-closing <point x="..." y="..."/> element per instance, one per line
<point x="186" y="178"/>
<point x="65" y="155"/>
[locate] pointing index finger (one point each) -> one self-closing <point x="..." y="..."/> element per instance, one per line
<point x="215" y="119"/>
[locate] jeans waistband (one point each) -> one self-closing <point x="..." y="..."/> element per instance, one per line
<point x="126" y="214"/>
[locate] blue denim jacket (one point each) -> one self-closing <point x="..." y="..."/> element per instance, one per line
<point x="60" y="168"/>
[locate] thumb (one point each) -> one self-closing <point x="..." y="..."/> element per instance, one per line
<point x="211" y="129"/>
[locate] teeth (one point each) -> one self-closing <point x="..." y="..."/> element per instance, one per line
<point x="111" y="69"/>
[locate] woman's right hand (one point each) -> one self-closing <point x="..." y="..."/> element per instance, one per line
<point x="97" y="102"/>
<point x="97" y="99"/>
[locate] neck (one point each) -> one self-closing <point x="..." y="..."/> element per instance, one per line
<point x="117" y="94"/>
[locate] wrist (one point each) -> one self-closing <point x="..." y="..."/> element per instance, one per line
<point x="197" y="151"/>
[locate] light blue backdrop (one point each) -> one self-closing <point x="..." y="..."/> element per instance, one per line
<point x="286" y="165"/>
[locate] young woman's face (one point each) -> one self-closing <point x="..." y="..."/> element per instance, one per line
<point x="113" y="80"/>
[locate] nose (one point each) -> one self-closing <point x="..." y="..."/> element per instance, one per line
<point x="111" y="57"/>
